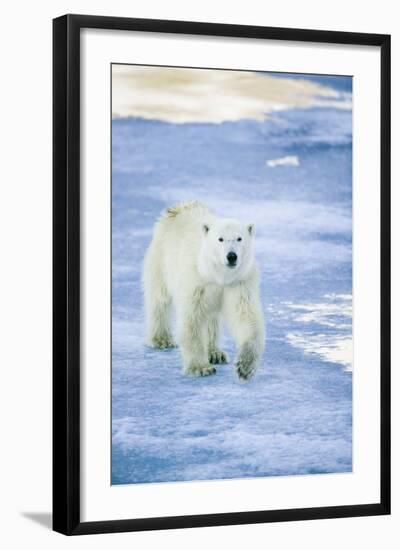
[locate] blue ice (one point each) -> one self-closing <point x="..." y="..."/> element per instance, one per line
<point x="295" y="416"/>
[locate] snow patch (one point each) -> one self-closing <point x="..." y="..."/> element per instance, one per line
<point x="334" y="345"/>
<point x="337" y="350"/>
<point x="338" y="306"/>
<point x="284" y="161"/>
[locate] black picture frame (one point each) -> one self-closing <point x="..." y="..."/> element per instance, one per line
<point x="66" y="273"/>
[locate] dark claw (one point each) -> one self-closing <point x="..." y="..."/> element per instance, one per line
<point x="211" y="371"/>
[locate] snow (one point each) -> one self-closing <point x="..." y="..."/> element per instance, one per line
<point x="295" y="416"/>
<point x="284" y="161"/>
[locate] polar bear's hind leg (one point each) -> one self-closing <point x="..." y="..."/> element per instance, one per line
<point x="157" y="303"/>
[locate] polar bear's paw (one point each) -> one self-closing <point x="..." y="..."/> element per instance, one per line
<point x="162" y="342"/>
<point x="218" y="357"/>
<point x="201" y="370"/>
<point x="244" y="369"/>
<point x="245" y="365"/>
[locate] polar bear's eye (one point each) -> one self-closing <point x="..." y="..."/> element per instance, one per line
<point x="220" y="239"/>
<point x="239" y="239"/>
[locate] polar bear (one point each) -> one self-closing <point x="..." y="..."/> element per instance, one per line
<point x="203" y="266"/>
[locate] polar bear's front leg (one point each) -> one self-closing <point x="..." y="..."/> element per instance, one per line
<point x="244" y="316"/>
<point x="157" y="302"/>
<point x="193" y="334"/>
<point x="215" y="354"/>
<point x="247" y="360"/>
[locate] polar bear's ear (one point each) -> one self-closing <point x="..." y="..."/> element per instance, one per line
<point x="251" y="229"/>
<point x="206" y="228"/>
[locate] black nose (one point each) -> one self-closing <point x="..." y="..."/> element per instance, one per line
<point x="231" y="257"/>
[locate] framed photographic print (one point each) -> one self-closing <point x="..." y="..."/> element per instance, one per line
<point x="221" y="274"/>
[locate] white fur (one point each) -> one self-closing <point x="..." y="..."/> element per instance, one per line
<point x="186" y="266"/>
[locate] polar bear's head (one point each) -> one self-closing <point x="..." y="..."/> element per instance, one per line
<point x="227" y="252"/>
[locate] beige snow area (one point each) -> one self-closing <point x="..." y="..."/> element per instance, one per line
<point x="204" y="95"/>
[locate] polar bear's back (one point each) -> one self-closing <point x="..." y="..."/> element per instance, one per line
<point x="186" y="214"/>
<point x="177" y="240"/>
<point x="188" y="208"/>
<point x="182" y="221"/>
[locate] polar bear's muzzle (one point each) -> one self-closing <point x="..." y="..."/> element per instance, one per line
<point x="232" y="259"/>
